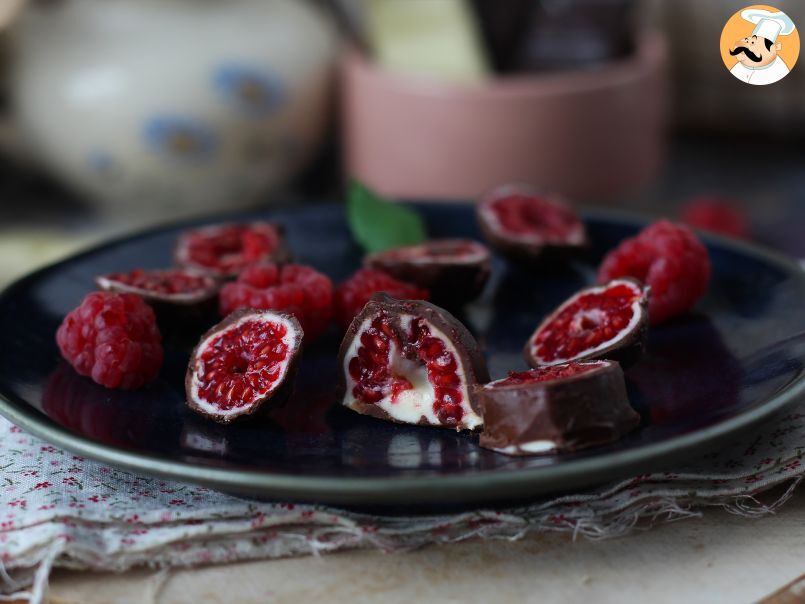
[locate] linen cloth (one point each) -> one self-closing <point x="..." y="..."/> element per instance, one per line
<point x="59" y="509"/>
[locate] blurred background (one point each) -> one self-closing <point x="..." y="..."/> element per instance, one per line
<point x="119" y="114"/>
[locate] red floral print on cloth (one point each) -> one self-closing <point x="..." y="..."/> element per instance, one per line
<point x="55" y="503"/>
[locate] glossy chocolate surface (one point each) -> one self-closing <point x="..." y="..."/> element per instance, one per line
<point x="572" y="413"/>
<point x="451" y="282"/>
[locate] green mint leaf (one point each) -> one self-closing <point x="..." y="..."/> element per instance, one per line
<point x="378" y="224"/>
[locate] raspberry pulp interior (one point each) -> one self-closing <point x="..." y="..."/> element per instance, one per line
<point x="547" y="374"/>
<point x="587" y="321"/>
<point x="231" y="246"/>
<point x="242" y="364"/>
<point x="526" y="215"/>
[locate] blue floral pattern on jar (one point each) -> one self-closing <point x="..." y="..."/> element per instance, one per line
<point x="254" y="92"/>
<point x="101" y="163"/>
<point x="180" y="137"/>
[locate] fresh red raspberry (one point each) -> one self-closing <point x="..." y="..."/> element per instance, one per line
<point x="669" y="258"/>
<point x="716" y="215"/>
<point x="294" y="288"/>
<point x="353" y="294"/>
<point x="112" y="338"/>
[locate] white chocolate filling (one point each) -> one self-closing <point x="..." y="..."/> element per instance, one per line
<point x="533" y="447"/>
<point x="477" y="255"/>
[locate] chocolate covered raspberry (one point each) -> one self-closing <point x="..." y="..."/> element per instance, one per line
<point x="454" y="271"/>
<point x="242" y="364"/>
<point x="528" y="226"/>
<point x="558" y="408"/>
<point x="412" y="362"/>
<point x="602" y="322"/>
<point x="224" y="250"/>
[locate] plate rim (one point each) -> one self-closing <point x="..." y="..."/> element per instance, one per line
<point x="476" y="487"/>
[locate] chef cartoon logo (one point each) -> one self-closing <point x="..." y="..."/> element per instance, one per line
<point x="759" y="45"/>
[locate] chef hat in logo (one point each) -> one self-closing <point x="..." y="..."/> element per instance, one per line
<point x="769" y="25"/>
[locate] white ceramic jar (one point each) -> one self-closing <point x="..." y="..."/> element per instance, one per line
<point x="185" y="105"/>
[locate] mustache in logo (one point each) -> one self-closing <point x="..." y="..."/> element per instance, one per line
<point x="743" y="49"/>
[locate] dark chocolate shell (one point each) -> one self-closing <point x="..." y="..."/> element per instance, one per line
<point x="454" y="271"/>
<point x="178" y="313"/>
<point x="572" y="406"/>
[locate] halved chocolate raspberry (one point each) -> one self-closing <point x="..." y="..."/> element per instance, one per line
<point x="452" y="270"/>
<point x="242" y="363"/>
<point x="224" y="250"/>
<point x="528" y="226"/>
<point x="605" y="321"/>
<point x="179" y="297"/>
<point x="411" y="362"/>
<point x="558" y="408"/>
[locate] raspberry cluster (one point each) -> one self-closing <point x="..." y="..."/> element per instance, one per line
<point x="353" y="294"/>
<point x="300" y="290"/>
<point x="667" y="257"/>
<point x="112" y="338"/>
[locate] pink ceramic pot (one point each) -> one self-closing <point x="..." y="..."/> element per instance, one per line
<point x="590" y="135"/>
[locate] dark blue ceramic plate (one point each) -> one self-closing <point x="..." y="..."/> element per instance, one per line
<point x="707" y="375"/>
